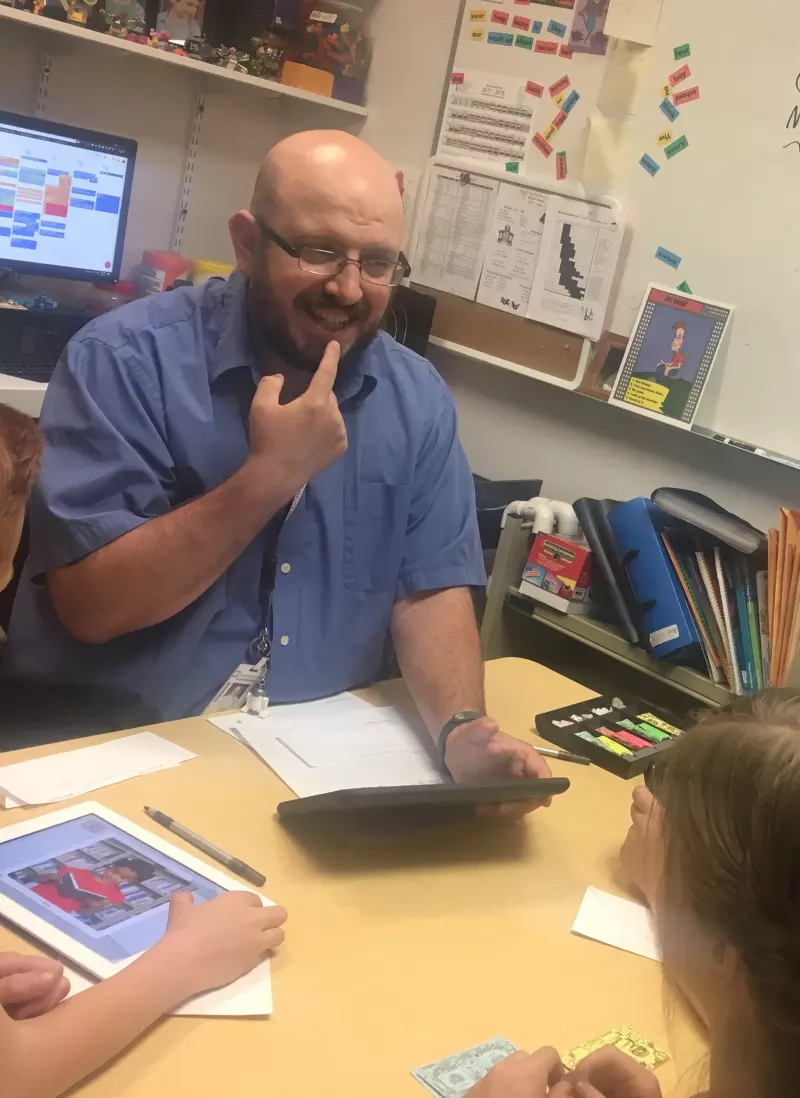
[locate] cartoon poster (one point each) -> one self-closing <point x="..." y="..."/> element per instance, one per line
<point x="670" y="356"/>
<point x="588" y="27"/>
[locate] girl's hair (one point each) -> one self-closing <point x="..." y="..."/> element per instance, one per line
<point x="730" y="794"/>
<point x="20" y="452"/>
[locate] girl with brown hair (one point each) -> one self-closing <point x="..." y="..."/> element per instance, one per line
<point x="717" y="854"/>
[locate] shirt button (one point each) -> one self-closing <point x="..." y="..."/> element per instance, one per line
<point x="284" y="640"/>
<point x="286" y="569"/>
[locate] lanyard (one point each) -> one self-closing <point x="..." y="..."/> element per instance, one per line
<point x="260" y="650"/>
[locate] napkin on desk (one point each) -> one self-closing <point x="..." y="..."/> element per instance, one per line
<point x="617" y="922"/>
<point x="73" y="773"/>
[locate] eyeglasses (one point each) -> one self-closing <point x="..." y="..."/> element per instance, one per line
<point x="329" y="264"/>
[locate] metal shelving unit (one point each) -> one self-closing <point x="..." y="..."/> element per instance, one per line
<point x="504" y="599"/>
<point x="67" y="32"/>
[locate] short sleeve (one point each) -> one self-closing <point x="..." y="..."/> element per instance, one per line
<point x="442" y="547"/>
<point x="106" y="467"/>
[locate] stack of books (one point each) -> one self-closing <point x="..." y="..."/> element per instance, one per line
<point x="689" y="582"/>
<point x="727" y="593"/>
<point x="784" y="595"/>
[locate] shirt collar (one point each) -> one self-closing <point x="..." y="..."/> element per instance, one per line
<point x="235" y="350"/>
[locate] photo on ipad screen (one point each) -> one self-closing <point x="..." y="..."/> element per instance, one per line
<point x="107" y="889"/>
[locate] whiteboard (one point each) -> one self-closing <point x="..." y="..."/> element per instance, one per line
<point x="725" y="204"/>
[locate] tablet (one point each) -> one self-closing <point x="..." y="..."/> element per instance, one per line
<point x="95" y="888"/>
<point x="426" y="800"/>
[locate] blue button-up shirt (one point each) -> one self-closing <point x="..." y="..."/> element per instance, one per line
<point x="148" y="409"/>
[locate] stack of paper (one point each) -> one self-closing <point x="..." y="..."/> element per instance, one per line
<point x="73" y="773"/>
<point x="784" y="596"/>
<point x="617" y="922"/>
<point x="338" y="743"/>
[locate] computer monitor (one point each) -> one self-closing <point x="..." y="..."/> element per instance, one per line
<point x="64" y="198"/>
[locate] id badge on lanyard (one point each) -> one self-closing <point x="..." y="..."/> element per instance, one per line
<point x="246" y="687"/>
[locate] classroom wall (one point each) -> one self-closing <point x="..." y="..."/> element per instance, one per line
<point x="513" y="427"/>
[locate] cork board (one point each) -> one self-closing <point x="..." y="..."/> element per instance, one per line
<point x="526" y="343"/>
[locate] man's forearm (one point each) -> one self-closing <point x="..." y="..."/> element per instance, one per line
<point x="438" y="648"/>
<point x="160" y="568"/>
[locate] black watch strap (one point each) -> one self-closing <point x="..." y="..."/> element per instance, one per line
<point x="455" y="722"/>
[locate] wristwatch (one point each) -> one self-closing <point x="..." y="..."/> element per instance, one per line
<point x="455" y="722"/>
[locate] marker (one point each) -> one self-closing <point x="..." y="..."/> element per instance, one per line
<point x="564" y="756"/>
<point x="772" y="455"/>
<point x="235" y="865"/>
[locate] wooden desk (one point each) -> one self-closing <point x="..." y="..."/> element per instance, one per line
<point x="399" y="951"/>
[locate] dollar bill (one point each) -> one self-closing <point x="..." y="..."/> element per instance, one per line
<point x="627" y="1040"/>
<point x="455" y="1075"/>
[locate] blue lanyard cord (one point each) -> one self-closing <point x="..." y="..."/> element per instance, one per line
<point x="260" y="650"/>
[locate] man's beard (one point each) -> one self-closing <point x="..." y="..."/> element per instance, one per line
<point x="272" y="334"/>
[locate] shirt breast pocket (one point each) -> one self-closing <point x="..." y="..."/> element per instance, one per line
<point x="375" y="520"/>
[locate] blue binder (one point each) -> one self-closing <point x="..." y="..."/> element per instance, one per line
<point x="668" y="621"/>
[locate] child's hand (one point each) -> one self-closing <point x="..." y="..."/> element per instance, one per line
<point x="521" y="1076"/>
<point x="641" y="853"/>
<point x="609" y="1073"/>
<point x="212" y="944"/>
<point x="30" y="986"/>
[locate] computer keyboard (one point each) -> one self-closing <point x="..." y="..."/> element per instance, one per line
<point x="27" y="371"/>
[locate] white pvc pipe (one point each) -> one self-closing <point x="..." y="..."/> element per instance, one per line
<point x="566" y="519"/>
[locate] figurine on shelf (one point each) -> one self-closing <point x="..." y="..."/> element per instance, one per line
<point x="78" y="10"/>
<point x="230" y="58"/>
<point x="342" y="50"/>
<point x="267" y="56"/>
<point x="200" y="49"/>
<point x="158" y="40"/>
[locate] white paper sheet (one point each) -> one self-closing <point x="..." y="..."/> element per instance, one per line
<point x="458" y="208"/>
<point x="579" y="254"/>
<point x="513" y="244"/>
<point x="633" y="20"/>
<point x="488" y="117"/>
<point x="617" y="922"/>
<point x="73" y="773"/>
<point x="248" y="997"/>
<point x="335" y="744"/>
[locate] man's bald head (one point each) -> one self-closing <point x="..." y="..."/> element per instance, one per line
<point x="320" y="248"/>
<point x="325" y="166"/>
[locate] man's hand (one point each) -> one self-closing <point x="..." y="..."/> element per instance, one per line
<point x="30" y="986"/>
<point x="521" y="1076"/>
<point x="641" y="854"/>
<point x="297" y="441"/>
<point x="480" y="752"/>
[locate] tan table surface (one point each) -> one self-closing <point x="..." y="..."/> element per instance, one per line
<point x="400" y="950"/>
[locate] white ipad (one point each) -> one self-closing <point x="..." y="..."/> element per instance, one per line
<point x="95" y="888"/>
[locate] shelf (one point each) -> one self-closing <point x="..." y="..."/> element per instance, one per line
<point x="268" y="88"/>
<point x="605" y="638"/>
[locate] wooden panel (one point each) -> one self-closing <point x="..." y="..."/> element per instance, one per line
<point x="524" y="342"/>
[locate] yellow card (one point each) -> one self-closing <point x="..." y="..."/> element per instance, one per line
<point x="478" y="15"/>
<point x="666" y="90"/>
<point x="559" y="101"/>
<point x="477" y="34"/>
<point x="664" y="138"/>
<point x="627" y="1040"/>
<point x="549" y="133"/>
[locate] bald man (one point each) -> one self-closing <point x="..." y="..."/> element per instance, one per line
<point x="250" y="475"/>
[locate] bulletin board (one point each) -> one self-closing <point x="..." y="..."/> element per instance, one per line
<point x="721" y="200"/>
<point x="498" y="336"/>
